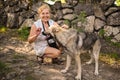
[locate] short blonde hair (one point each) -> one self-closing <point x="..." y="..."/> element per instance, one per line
<point x="44" y="6"/>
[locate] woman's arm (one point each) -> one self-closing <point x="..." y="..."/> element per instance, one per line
<point x="34" y="32"/>
<point x="63" y="26"/>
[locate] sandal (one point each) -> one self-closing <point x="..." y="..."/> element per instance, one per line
<point x="40" y="59"/>
<point x="57" y="61"/>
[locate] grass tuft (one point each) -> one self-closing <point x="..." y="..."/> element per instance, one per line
<point x="3" y="69"/>
<point x="110" y="58"/>
<point x="23" y="33"/>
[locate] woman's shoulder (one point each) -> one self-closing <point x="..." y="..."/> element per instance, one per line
<point x="38" y="23"/>
<point x="51" y="22"/>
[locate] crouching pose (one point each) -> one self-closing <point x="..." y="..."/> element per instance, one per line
<point x="37" y="36"/>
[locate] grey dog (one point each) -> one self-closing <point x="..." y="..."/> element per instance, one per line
<point x="74" y="43"/>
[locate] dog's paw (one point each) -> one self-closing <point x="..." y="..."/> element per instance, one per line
<point x="78" y="77"/>
<point x="63" y="71"/>
<point x="96" y="73"/>
<point x="89" y="62"/>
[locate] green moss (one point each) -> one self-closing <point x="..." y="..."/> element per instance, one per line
<point x="2" y="66"/>
<point x="110" y="58"/>
<point x="18" y="56"/>
<point x="117" y="44"/>
<point x="115" y="56"/>
<point x="66" y="22"/>
<point x="82" y="16"/>
<point x="101" y="33"/>
<point x="108" y="38"/>
<point x="29" y="77"/>
<point x="3" y="69"/>
<point x="81" y="1"/>
<point x="23" y="33"/>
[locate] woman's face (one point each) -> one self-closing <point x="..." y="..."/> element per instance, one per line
<point x="45" y="15"/>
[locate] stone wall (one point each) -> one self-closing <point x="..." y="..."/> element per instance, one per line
<point x="103" y="15"/>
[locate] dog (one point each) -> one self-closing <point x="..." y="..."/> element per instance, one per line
<point x="74" y="43"/>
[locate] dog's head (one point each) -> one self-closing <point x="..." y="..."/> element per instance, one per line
<point x="55" y="28"/>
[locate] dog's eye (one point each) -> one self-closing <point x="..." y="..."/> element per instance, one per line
<point x="54" y="30"/>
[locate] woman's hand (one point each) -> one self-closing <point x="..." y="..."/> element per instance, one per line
<point x="34" y="32"/>
<point x="64" y="26"/>
<point x="38" y="31"/>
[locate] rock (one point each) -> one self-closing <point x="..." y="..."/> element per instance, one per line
<point x="114" y="19"/>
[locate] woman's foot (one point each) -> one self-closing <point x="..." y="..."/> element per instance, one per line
<point x="47" y="60"/>
<point x="57" y="61"/>
<point x="40" y="59"/>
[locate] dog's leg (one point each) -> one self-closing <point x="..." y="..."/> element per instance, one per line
<point x="68" y="63"/>
<point x="96" y="51"/>
<point x="78" y="62"/>
<point x="91" y="58"/>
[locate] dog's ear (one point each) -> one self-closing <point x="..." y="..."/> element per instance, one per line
<point x="54" y="30"/>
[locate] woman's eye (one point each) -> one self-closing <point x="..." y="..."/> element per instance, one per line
<point x="43" y="13"/>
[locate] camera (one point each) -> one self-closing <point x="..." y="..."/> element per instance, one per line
<point x="44" y="33"/>
<point x="50" y="40"/>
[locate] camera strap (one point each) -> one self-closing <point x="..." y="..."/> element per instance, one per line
<point x="44" y="26"/>
<point x="50" y="39"/>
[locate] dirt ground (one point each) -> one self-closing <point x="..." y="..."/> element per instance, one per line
<point x="21" y="61"/>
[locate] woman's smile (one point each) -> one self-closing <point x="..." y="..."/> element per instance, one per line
<point x="45" y="15"/>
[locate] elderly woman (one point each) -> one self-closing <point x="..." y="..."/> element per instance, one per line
<point x="41" y="46"/>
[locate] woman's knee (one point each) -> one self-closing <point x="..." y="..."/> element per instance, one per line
<point x="57" y="53"/>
